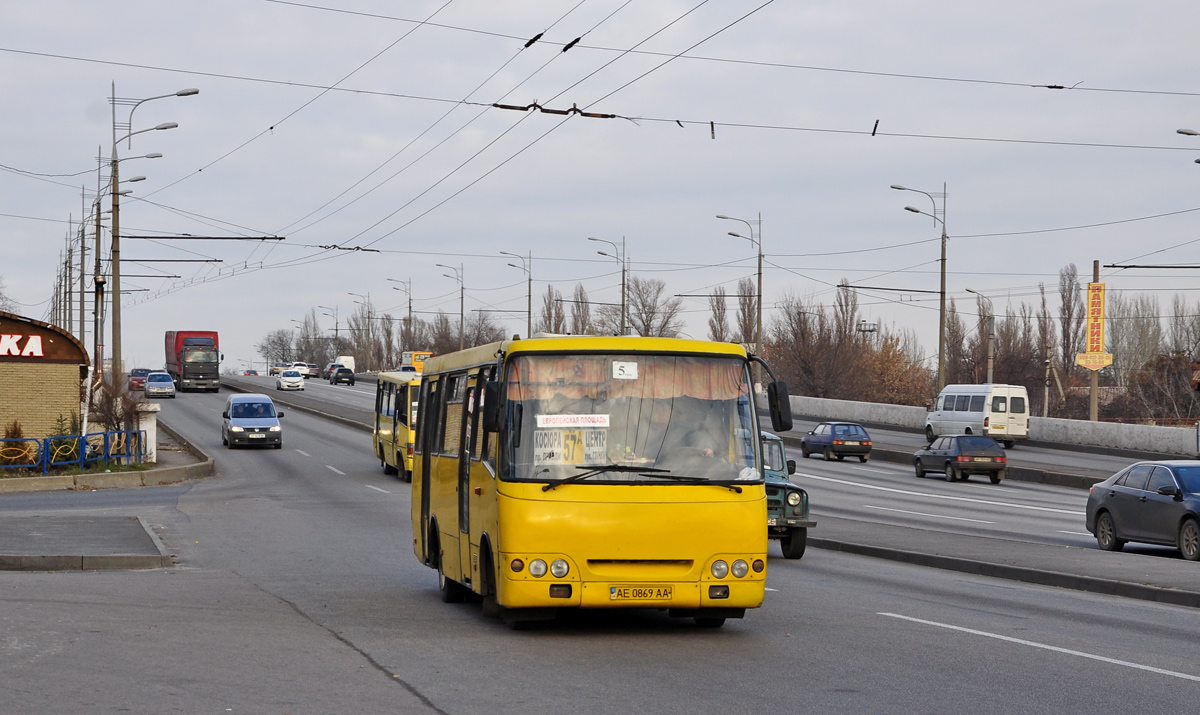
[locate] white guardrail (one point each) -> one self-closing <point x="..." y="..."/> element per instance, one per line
<point x="1139" y="438"/>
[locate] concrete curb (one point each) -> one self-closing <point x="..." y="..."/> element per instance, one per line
<point x="153" y="477"/>
<point x="1075" y="582"/>
<point x="93" y="562"/>
<point x="1018" y="474"/>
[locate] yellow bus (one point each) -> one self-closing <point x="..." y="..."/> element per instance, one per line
<point x="415" y="358"/>
<point x="594" y="472"/>
<point x="395" y="420"/>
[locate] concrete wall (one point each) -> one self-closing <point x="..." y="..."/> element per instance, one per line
<point x="1141" y="438"/>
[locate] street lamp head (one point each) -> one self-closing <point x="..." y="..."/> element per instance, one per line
<point x="1188" y="132"/>
<point x="187" y="92"/>
<point x="166" y="125"/>
<point x="898" y="187"/>
<point x="914" y="209"/>
<point x="722" y="216"/>
<point x="608" y="255"/>
<point x="736" y="235"/>
<point x="136" y="178"/>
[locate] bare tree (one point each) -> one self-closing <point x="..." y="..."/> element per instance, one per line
<point x="553" y="320"/>
<point x="1183" y="329"/>
<point x="276" y="346"/>
<point x="1134" y="333"/>
<point x="481" y="329"/>
<point x="581" y="312"/>
<point x="6" y="303"/>
<point x="747" y="314"/>
<point x="1071" y="313"/>
<point x="443" y="336"/>
<point x="718" y="324"/>
<point x="310" y="343"/>
<point x="651" y="313"/>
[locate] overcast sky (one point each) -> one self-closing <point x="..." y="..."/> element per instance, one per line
<point x="359" y="126"/>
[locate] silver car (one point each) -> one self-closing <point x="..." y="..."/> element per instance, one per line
<point x="251" y="419"/>
<point x="160" y="384"/>
<point x="289" y="380"/>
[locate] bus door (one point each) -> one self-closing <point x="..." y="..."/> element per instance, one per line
<point x="469" y="433"/>
<point x="446" y="480"/>
<point x="430" y="397"/>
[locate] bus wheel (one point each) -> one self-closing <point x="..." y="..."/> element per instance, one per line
<point x="709" y="622"/>
<point x="490" y="607"/>
<point x="387" y="468"/>
<point x="452" y="591"/>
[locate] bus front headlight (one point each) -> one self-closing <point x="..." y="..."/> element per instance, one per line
<point x="740" y="568"/>
<point x="559" y="568"/>
<point x="720" y="569"/>
<point x="537" y="568"/>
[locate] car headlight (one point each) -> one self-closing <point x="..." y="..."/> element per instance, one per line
<point x="235" y="428"/>
<point x="720" y="569"/>
<point x="276" y="428"/>
<point x="537" y="568"/>
<point x="740" y="568"/>
<point x="559" y="568"/>
<point x="793" y="498"/>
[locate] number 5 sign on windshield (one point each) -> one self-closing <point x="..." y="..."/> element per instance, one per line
<point x="624" y="370"/>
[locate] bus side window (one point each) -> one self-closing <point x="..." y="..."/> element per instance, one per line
<point x="424" y="408"/>
<point x="962" y="403"/>
<point x="399" y="404"/>
<point x="977" y="402"/>
<point x="452" y="416"/>
<point x="484" y="437"/>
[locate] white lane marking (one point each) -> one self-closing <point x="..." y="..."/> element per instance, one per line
<point x="368" y="486"/>
<point x="335" y="469"/>
<point x="772" y="589"/>
<point x="947" y="497"/>
<point x="1043" y="646"/>
<point x="869" y="469"/>
<point x="935" y="516"/>
<point x="1075" y="533"/>
<point x="301" y="451"/>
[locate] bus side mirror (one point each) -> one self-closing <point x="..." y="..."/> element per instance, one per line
<point x="780" y="406"/>
<point x="493" y="418"/>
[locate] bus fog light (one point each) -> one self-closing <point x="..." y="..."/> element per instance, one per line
<point x="793" y="498"/>
<point x="740" y="568"/>
<point x="718" y="592"/>
<point x="758" y="566"/>
<point x="537" y="568"/>
<point x="559" y="568"/>
<point x="720" y="569"/>
<point x="517" y="565"/>
<point x="560" y="590"/>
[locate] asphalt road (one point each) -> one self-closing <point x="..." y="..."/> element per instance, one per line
<point x="296" y="590"/>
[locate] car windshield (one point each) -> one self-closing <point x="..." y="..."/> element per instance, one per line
<point x="977" y="443"/>
<point x="160" y="377"/>
<point x="773" y="455"/>
<point x="602" y="418"/>
<point x="139" y="372"/>
<point x="1190" y="476"/>
<point x="252" y="410"/>
<point x="292" y="373"/>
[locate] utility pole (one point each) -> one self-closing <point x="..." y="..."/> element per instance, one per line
<point x="1094" y="400"/>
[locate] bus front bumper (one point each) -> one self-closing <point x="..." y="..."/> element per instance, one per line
<point x="726" y="593"/>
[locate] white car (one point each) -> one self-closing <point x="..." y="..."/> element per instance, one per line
<point x="289" y="379"/>
<point x="302" y="368"/>
<point x="160" y="384"/>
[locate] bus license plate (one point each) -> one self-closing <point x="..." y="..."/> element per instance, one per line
<point x="648" y="592"/>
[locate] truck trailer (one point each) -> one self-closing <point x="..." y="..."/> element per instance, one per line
<point x="194" y="360"/>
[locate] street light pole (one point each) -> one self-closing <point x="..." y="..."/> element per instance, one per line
<point x="370" y="341"/>
<point x="757" y="242"/>
<point x="408" y="325"/>
<point x="941" y="372"/>
<point x="620" y="258"/>
<point x="526" y="266"/>
<point x="458" y="276"/>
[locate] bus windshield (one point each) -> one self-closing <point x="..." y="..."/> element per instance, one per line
<point x="636" y="418"/>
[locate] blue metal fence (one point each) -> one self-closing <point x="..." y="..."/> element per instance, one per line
<point x="121" y="446"/>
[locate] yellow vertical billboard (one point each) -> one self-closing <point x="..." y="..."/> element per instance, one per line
<point x="1094" y="357"/>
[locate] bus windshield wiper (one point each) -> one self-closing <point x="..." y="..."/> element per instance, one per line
<point x="594" y="470"/>
<point x="694" y="480"/>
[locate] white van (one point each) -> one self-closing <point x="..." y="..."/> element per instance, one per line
<point x="345" y="361"/>
<point x="999" y="411"/>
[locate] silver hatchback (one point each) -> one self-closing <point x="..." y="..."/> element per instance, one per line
<point x="160" y="384"/>
<point x="251" y="419"/>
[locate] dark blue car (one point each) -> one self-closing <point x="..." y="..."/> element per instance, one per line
<point x="837" y="440"/>
<point x="1149" y="502"/>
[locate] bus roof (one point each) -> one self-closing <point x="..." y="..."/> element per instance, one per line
<point x="485" y="354"/>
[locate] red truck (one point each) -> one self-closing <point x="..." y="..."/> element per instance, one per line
<point x="194" y="359"/>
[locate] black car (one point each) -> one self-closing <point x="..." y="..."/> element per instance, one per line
<point x="837" y="439"/>
<point x="961" y="455"/>
<point x="341" y="374"/>
<point x="1150" y="502"/>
